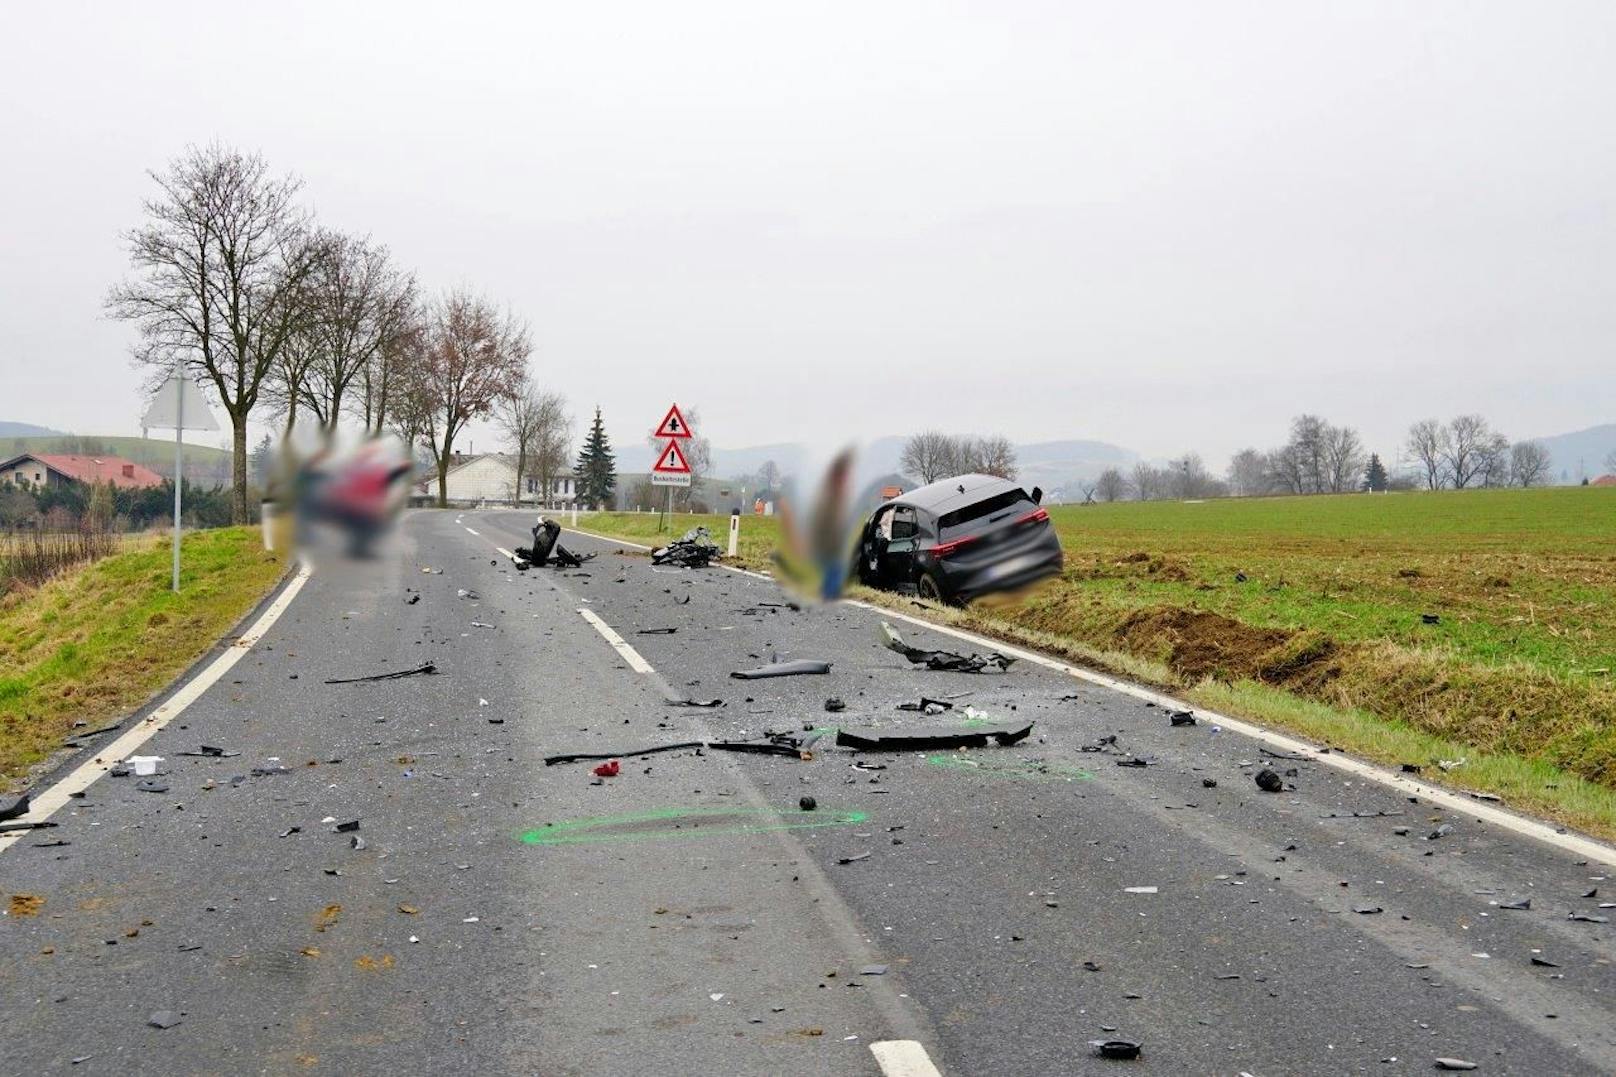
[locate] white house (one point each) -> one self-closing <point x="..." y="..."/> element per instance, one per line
<point x="492" y="477"/>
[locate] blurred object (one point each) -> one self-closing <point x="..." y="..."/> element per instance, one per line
<point x="816" y="550"/>
<point x="358" y="491"/>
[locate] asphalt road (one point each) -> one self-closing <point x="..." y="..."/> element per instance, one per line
<point x="687" y="917"/>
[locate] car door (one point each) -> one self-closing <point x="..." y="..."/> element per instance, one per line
<point x="898" y="561"/>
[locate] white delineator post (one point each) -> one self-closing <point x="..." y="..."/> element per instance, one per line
<point x="179" y="465"/>
<point x="734" y="532"/>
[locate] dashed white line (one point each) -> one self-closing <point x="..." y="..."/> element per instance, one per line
<point x="903" y="1058"/>
<point x="619" y="644"/>
<point x="1530" y="828"/>
<point x="52" y="799"/>
<point x="469" y="531"/>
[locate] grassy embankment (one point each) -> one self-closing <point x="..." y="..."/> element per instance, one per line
<point x="97" y="641"/>
<point x="1326" y="634"/>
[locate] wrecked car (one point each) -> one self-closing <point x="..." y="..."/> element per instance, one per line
<point x="958" y="539"/>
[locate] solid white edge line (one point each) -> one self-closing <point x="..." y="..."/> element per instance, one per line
<point x="619" y="644"/>
<point x="1531" y="828"/>
<point x="44" y="804"/>
<point x="903" y="1058"/>
<point x="606" y="538"/>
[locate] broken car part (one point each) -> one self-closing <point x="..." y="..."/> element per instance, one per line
<point x="782" y="669"/>
<point x="694" y="549"/>
<point x="926" y="740"/>
<point x="1269" y="782"/>
<point x="949" y="661"/>
<point x="426" y="668"/>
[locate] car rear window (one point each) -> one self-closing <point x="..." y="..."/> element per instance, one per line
<point x="981" y="510"/>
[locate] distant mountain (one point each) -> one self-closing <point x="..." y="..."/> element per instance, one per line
<point x="1580" y="453"/>
<point x="23" y="430"/>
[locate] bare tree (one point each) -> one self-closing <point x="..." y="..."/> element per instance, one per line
<point x="1494" y="455"/>
<point x="1248" y="473"/>
<point x="1528" y="464"/>
<point x="1468" y="445"/>
<point x="991" y="455"/>
<point x="928" y="456"/>
<point x="768" y="476"/>
<point x="1149" y="483"/>
<point x="359" y="306"/>
<point x="1425" y="445"/>
<point x="1285" y="469"/>
<point x="1111" y="485"/>
<point x="1610" y="461"/>
<point x="473" y="358"/>
<point x="518" y="419"/>
<point x="219" y="266"/>
<point x="1343" y="459"/>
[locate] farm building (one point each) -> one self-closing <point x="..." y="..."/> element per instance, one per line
<point x="58" y="469"/>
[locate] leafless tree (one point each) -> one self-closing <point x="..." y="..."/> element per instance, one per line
<point x="1343" y="459"/>
<point x="1285" y="469"/>
<point x="1425" y="446"/>
<point x="1188" y="477"/>
<point x="1149" y="482"/>
<point x="1468" y="445"/>
<point x="518" y="418"/>
<point x="219" y="265"/>
<point x="473" y="358"/>
<point x="928" y="456"/>
<point x="991" y="455"/>
<point x="1248" y="473"/>
<point x="1528" y="464"/>
<point x="768" y="476"/>
<point x="360" y="305"/>
<point x="552" y="441"/>
<point x="1111" y="485"/>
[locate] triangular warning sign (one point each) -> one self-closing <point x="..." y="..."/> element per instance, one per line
<point x="673" y="425"/>
<point x="672" y="461"/>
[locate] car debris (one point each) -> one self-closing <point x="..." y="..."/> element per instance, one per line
<point x="948" y="661"/>
<point x="1119" y="1049"/>
<point x="152" y="785"/>
<point x="424" y="669"/>
<point x="693" y="703"/>
<point x="1181" y="718"/>
<point x="208" y="751"/>
<point x="854" y="859"/>
<point x="807" y="803"/>
<point x="609" y="769"/>
<point x="926" y="740"/>
<point x="656" y="631"/>
<point x="546" y="545"/>
<point x="15" y="808"/>
<point x="1269" y="782"/>
<point x="41" y="824"/>
<point x="782" y="669"/>
<point x="1455" y="1064"/>
<point x="795" y="745"/>
<point x="164" y="1019"/>
<point x="927" y="706"/>
<point x="694" y="549"/>
<point x="835" y="704"/>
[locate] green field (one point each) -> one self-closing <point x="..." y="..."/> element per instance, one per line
<point x="97" y="641"/>
<point x="203" y="463"/>
<point x="1327" y="632"/>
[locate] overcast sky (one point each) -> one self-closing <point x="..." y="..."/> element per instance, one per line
<point x="1170" y="226"/>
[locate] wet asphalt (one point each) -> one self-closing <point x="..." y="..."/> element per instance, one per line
<point x="686" y="916"/>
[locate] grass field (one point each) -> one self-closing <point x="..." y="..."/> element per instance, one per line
<point x="97" y="641"/>
<point x="1312" y="614"/>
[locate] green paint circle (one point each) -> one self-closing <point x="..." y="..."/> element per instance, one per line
<point x="658" y="824"/>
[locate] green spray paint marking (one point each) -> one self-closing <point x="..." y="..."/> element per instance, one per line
<point x="679" y="823"/>
<point x="1039" y="772"/>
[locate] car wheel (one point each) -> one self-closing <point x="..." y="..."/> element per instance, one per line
<point x="930" y="590"/>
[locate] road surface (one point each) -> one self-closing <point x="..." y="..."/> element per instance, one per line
<point x="983" y="912"/>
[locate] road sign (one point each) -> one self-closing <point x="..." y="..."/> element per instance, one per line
<point x="179" y="406"/>
<point x="672" y="469"/>
<point x="673" y="425"/>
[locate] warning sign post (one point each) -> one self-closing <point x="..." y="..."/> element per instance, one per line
<point x="671" y="468"/>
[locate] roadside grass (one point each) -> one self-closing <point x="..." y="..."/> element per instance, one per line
<point x="99" y="640"/>
<point x="1312" y="614"/>
<point x="760" y="535"/>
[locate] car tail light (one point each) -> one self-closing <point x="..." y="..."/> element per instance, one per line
<point x="943" y="549"/>
<point x="1035" y="516"/>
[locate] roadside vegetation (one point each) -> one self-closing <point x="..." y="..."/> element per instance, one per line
<point x="96" y="641"/>
<point x="1408" y="628"/>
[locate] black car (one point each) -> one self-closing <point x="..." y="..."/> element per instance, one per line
<point x="958" y="539"/>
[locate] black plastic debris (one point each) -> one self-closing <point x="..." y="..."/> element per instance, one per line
<point x="208" y="751"/>
<point x="164" y="1019"/>
<point x="1118" y="1049"/>
<point x="1209" y="783"/>
<point x="1455" y="1063"/>
<point x="1368" y="910"/>
<point x="348" y="827"/>
<point x="807" y="803"/>
<point x="1181" y="717"/>
<point x="835" y="705"/>
<point x="948" y="661"/>
<point x="1430" y="619"/>
<point x="854" y="859"/>
<point x="1543" y="962"/>
<point x="546" y="545"/>
<point x="694" y="703"/>
<point x="424" y="669"/>
<point x="694" y="549"/>
<point x="1518" y="905"/>
<point x="793" y="745"/>
<point x="7" y="828"/>
<point x="656" y="631"/>
<point x="1104" y="744"/>
<point x="14" y="808"/>
<point x="1412" y="768"/>
<point x="1587" y="918"/>
<point x="1269" y="782"/>
<point x="412" y="600"/>
<point x="1133" y="761"/>
<point x="782" y="669"/>
<point x="926" y="740"/>
<point x="1440" y="832"/>
<point x="152" y="785"/>
<point x="927" y="705"/>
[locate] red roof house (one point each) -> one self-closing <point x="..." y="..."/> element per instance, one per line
<point x="48" y="469"/>
<point x="1604" y="480"/>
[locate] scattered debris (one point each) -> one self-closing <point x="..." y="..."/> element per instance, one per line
<point x="1520" y="904"/>
<point x="925" y="740"/>
<point x="608" y="769"/>
<point x="1209" y="783"/>
<point x="15" y="808"/>
<point x="1269" y="782"/>
<point x="791" y="745"/>
<point x="694" y="549"/>
<point x="927" y="706"/>
<point x="426" y="668"/>
<point x="1181" y="717"/>
<point x="1440" y="832"/>
<point x="152" y="785"/>
<point x="348" y="827"/>
<point x="25" y="905"/>
<point x="472" y="596"/>
<point x="1139" y="890"/>
<point x="807" y="803"/>
<point x="1431" y="619"/>
<point x="164" y="1019"/>
<point x="782" y="669"/>
<point x="835" y="705"/>
<point x="412" y="600"/>
<point x="1368" y="910"/>
<point x="1544" y="962"/>
<point x="1452" y="764"/>
<point x="694" y="702"/>
<point x="207" y="751"/>
<point x="1587" y="918"/>
<point x="949" y="661"/>
<point x="7" y="828"/>
<point x="1454" y="1063"/>
<point x="873" y="970"/>
<point x="656" y="631"/>
<point x="546" y="534"/>
<point x="854" y="859"/>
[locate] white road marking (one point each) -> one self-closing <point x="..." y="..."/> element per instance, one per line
<point x="503" y="552"/>
<point x="1531" y="828"/>
<point x="606" y="538"/>
<point x="110" y="755"/>
<point x="630" y="655"/>
<point x="469" y="531"/>
<point x="903" y="1058"/>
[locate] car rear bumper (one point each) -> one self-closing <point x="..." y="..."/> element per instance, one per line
<point x="1012" y="568"/>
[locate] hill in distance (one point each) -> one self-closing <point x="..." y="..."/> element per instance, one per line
<point x="203" y="463"/>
